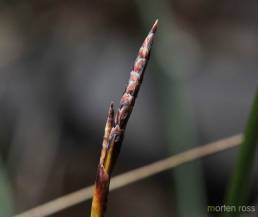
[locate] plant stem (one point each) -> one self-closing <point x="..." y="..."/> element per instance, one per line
<point x="116" y="125"/>
<point x="239" y="188"/>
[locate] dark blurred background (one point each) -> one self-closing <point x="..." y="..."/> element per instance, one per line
<point x="62" y="62"/>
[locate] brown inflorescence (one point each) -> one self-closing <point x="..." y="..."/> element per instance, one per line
<point x="115" y="127"/>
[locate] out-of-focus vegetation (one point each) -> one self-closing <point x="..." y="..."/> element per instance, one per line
<point x="241" y="182"/>
<point x="6" y="206"/>
<point x="62" y="62"/>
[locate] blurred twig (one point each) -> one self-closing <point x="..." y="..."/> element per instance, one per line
<point x="241" y="180"/>
<point x="132" y="176"/>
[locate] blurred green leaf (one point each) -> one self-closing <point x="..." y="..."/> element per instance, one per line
<point x="239" y="187"/>
<point x="179" y="126"/>
<point x="6" y="206"/>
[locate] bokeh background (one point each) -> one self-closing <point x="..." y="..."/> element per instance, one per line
<point x="62" y="62"/>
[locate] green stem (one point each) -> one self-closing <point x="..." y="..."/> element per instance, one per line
<point x="240" y="184"/>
